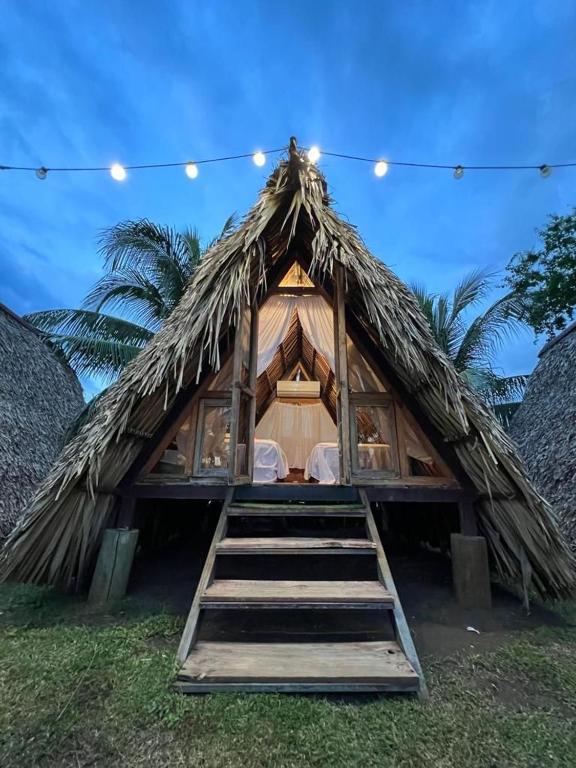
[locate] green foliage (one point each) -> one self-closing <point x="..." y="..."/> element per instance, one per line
<point x="147" y="268"/>
<point x="86" y="689"/>
<point x="545" y="279"/>
<point x="473" y="345"/>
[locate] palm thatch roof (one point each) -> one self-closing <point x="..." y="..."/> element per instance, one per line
<point x="65" y="519"/>
<point x="39" y="398"/>
<point x="544" y="426"/>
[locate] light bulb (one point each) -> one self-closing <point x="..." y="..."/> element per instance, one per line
<point x="191" y="170"/>
<point x="458" y="172"/>
<point x="545" y="171"/>
<point x="314" y="154"/>
<point x="381" y="168"/>
<point x="118" y="172"/>
<point x="259" y="159"/>
<point x="41" y="173"/>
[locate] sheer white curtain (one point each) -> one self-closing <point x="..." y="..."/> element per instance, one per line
<point x="317" y="321"/>
<point x="297" y="429"/>
<point x="315" y="317"/>
<point x="273" y="323"/>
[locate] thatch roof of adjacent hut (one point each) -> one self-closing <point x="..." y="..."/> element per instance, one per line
<point x="39" y="398"/>
<point x="544" y="427"/>
<point x="65" y="519"/>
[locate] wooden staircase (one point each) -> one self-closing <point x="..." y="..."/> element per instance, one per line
<point x="387" y="664"/>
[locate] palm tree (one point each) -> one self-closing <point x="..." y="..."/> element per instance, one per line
<point x="147" y="269"/>
<point x="472" y="346"/>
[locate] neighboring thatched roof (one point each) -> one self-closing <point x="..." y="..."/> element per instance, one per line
<point x="39" y="398"/>
<point x="544" y="427"/>
<point x="64" y="523"/>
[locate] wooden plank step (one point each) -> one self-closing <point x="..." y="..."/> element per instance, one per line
<point x="248" y="593"/>
<point x="294" y="546"/>
<point x="296" y="510"/>
<point x="367" y="666"/>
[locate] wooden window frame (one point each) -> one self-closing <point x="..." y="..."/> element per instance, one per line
<point x="208" y="402"/>
<point x="363" y="399"/>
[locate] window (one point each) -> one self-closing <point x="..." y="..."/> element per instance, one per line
<point x="213" y="438"/>
<point x="374" y="444"/>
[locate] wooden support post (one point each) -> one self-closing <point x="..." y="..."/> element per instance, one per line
<point x="113" y="565"/>
<point x="341" y="373"/>
<point x="470" y="571"/>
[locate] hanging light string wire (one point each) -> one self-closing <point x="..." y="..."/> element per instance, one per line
<point x="181" y="164"/>
<point x="451" y="167"/>
<point x="314" y="154"/>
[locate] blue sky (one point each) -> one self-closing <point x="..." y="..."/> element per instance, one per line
<point x="86" y="82"/>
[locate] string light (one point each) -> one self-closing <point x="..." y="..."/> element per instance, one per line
<point x="118" y="172"/>
<point x="191" y="170"/>
<point x="314" y="154"/>
<point x="545" y="171"/>
<point x="381" y="168"/>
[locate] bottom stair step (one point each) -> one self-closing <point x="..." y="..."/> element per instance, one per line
<point x="367" y="666"/>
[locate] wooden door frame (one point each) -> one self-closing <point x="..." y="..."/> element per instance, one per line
<point x="341" y="375"/>
<point x="240" y="391"/>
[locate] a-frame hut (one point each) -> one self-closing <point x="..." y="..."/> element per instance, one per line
<point x="297" y="379"/>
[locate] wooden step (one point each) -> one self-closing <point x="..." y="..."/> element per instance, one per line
<point x="365" y="666"/>
<point x="294" y="546"/>
<point x="296" y="510"/>
<point x="248" y="593"/>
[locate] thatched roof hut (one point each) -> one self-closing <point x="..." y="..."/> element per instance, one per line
<point x="545" y="427"/>
<point x="39" y="398"/>
<point x="293" y="214"/>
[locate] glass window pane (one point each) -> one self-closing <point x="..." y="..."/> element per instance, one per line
<point x="376" y="441"/>
<point x="215" y="439"/>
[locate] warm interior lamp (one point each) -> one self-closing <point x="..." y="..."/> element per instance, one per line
<point x="191" y="170"/>
<point x="259" y="159"/>
<point x="118" y="172"/>
<point x="314" y="154"/>
<point x="381" y="168"/>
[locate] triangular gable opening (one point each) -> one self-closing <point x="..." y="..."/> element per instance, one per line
<point x="296" y="436"/>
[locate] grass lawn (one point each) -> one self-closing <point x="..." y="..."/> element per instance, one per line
<point x="84" y="689"/>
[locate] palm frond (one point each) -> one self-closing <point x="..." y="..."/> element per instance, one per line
<point x="470" y="290"/>
<point x="131" y="292"/>
<point x="96" y="357"/>
<point x="487" y="333"/>
<point x="92" y="325"/>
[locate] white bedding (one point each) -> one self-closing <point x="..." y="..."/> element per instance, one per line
<point x="270" y="462"/>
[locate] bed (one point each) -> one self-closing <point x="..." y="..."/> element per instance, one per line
<point x="270" y="462"/>
<point x="323" y="463"/>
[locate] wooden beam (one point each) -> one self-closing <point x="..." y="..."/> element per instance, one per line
<point x="302" y="291"/>
<point x="341" y="373"/>
<point x="418" y="494"/>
